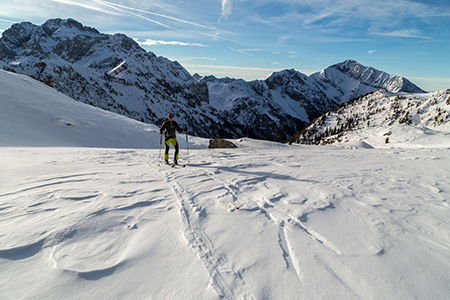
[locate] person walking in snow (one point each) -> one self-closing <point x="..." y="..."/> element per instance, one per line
<point x="169" y="128"/>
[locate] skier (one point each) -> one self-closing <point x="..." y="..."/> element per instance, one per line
<point x="169" y="128"/>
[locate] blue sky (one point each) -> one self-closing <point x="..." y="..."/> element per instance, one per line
<point x="250" y="39"/>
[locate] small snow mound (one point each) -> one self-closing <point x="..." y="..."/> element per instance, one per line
<point x="359" y="144"/>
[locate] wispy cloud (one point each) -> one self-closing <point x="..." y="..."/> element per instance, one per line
<point x="405" y="33"/>
<point x="151" y="42"/>
<point x="87" y="6"/>
<point x="235" y="68"/>
<point x="252" y="50"/>
<point x="433" y="83"/>
<point x="240" y="51"/>
<point x="282" y="39"/>
<point x="371" y="51"/>
<point x="292" y="54"/>
<point x="432" y="79"/>
<point x="227" y="6"/>
<point x="191" y="58"/>
<point x="110" y="8"/>
<point x="320" y="16"/>
<point x="128" y="8"/>
<point x="7" y="21"/>
<point x="216" y="37"/>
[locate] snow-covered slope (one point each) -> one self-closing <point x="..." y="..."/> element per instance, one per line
<point x="33" y="114"/>
<point x="390" y="117"/>
<point x="263" y="221"/>
<point x="112" y="72"/>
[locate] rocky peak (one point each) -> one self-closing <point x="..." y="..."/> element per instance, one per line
<point x="285" y="77"/>
<point x="370" y="77"/>
<point x="214" y="79"/>
<point x="67" y="25"/>
<point x="15" y="37"/>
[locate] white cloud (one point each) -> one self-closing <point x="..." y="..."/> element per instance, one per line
<point x="431" y="83"/>
<point x="226" y="9"/>
<point x="371" y="51"/>
<point x="150" y="42"/>
<point x="252" y="50"/>
<point x="230" y="68"/>
<point x="216" y="37"/>
<point x="240" y="51"/>
<point x="7" y="21"/>
<point x="282" y="39"/>
<point x="325" y="16"/>
<point x="406" y="33"/>
<point x="196" y="58"/>
<point x="121" y="7"/>
<point x="87" y="6"/>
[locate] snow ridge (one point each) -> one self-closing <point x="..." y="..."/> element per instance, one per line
<point x="380" y="109"/>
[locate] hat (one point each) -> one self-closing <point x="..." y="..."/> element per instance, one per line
<point x="171" y="115"/>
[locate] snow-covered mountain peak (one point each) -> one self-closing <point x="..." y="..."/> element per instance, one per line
<point x="55" y="27"/>
<point x="371" y="77"/>
<point x="286" y="77"/>
<point x="68" y="40"/>
<point x="350" y="79"/>
<point x="350" y="65"/>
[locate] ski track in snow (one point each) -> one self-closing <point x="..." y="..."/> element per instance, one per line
<point x="221" y="273"/>
<point x="262" y="226"/>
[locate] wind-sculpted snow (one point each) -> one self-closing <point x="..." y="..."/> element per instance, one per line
<point x="264" y="221"/>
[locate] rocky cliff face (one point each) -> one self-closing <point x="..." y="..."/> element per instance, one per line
<point x="114" y="73"/>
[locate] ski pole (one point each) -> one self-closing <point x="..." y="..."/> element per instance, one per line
<point x="160" y="144"/>
<point x="187" y="146"/>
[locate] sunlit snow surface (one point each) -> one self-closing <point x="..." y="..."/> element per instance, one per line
<point x="264" y="221"/>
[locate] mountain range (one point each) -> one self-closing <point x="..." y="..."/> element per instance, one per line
<point x="114" y="73"/>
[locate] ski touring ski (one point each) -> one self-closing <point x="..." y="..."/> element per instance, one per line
<point x="177" y="165"/>
<point x="173" y="165"/>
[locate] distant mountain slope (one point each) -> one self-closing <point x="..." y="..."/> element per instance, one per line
<point x="114" y="73"/>
<point x="380" y="109"/>
<point x="349" y="79"/>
